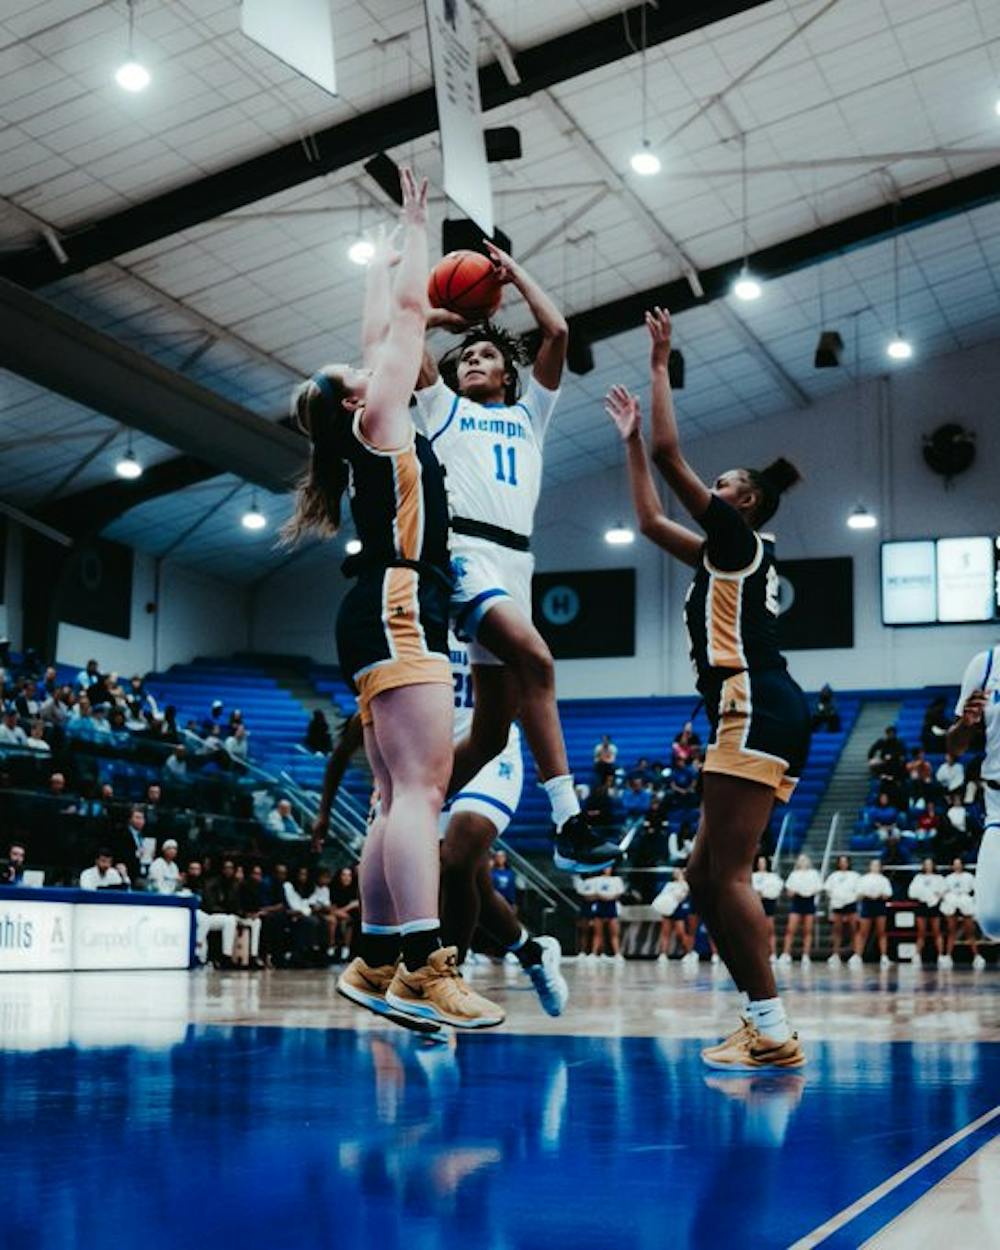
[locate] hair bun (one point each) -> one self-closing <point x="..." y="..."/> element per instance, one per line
<point x="780" y="475"/>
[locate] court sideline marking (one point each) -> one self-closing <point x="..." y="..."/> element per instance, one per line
<point x="844" y="1217"/>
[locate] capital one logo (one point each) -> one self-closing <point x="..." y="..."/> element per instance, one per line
<point x="560" y="605"/>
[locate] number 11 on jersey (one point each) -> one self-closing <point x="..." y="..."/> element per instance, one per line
<point x="511" y="476"/>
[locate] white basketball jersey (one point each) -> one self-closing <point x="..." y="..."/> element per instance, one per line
<point x="492" y="453"/>
<point x="461" y="673"/>
<point x="983" y="673"/>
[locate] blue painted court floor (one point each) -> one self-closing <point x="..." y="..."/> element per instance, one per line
<point x="277" y="1137"/>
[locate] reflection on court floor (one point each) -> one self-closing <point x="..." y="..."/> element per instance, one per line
<point x="288" y="1137"/>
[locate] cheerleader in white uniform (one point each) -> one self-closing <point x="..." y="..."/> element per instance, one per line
<point x="874" y="888"/>
<point x="802" y="886"/>
<point x="768" y="886"/>
<point x="841" y="888"/>
<point x="674" y="908"/>
<point x="959" y="910"/>
<point x="604" y="924"/>
<point x="927" y="889"/>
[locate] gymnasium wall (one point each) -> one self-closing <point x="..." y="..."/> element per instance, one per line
<point x="10" y="608"/>
<point x="876" y="458"/>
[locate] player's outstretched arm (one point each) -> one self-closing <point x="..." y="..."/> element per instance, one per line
<point x="665" y="440"/>
<point x="626" y="416"/>
<point x="968" y="728"/>
<point x="375" y="313"/>
<point x="386" y="420"/>
<point x="551" y="358"/>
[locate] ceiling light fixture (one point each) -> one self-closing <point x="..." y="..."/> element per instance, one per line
<point x="619" y="536"/>
<point x="128" y="466"/>
<point x="361" y="251"/>
<point x="898" y="348"/>
<point x="132" y="76"/>
<point x="644" y="162"/>
<point x="746" y="287"/>
<point x="253" y="518"/>
<point x="353" y="546"/>
<point x="861" y="519"/>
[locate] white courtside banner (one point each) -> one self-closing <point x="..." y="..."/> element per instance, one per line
<point x="130" y="937"/>
<point x="35" y="936"/>
<point x="453" y="39"/>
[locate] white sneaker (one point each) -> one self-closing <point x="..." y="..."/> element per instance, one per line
<point x="547" y="978"/>
<point x="979" y="963"/>
<point x="945" y="961"/>
<point x="662" y="958"/>
<point x="785" y="959"/>
<point x="806" y="959"/>
<point x="834" y="961"/>
<point x="885" y="962"/>
<point x="855" y="961"/>
<point x="618" y="959"/>
<point x="772" y="959"/>
<point x="716" y="960"/>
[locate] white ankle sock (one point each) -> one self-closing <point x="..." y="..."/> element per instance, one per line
<point x="744" y="1003"/>
<point x="562" y="797"/>
<point x="767" y="1015"/>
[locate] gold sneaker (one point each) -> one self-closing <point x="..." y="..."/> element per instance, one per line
<point x="734" y="1039"/>
<point x="754" y="1052"/>
<point x="366" y="986"/>
<point x="436" y="992"/>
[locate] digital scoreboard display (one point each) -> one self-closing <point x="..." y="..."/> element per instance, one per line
<point x="940" y="581"/>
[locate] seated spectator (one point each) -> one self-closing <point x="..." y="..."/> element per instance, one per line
<point x="825" y="714"/>
<point x="346" y="909"/>
<point x="87" y="677"/>
<point x="504" y="879"/>
<point x="210" y="726"/>
<point x="951" y="775"/>
<point x="641" y="769"/>
<point x="104" y="875"/>
<point x="100" y="726"/>
<point x="49" y="685"/>
<point x="636" y="799"/>
<point x="599" y="804"/>
<point x="12" y="872"/>
<point x="920" y="775"/>
<point x="936" y="724"/>
<point x="164" y="874"/>
<point x="684" y="784"/>
<point x="929" y="820"/>
<point x="27" y="702"/>
<point x="884" y="816"/>
<point x="36" y="738"/>
<point x="175" y="768"/>
<point x="56" y="710"/>
<point x="220" y="903"/>
<point x="685" y="747"/>
<point x="133" y="849"/>
<point x="57" y="785"/>
<point x="318" y="739"/>
<point x="281" y="822"/>
<point x="887" y="756"/>
<point x="273" y="912"/>
<point x="680" y="844"/>
<point x="11" y="733"/>
<point x="307" y="927"/>
<point x="237" y="745"/>
<point x="137" y="693"/>
<point x="135" y="721"/>
<point x="605" y="757"/>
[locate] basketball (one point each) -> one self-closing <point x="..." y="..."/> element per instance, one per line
<point x="465" y="283"/>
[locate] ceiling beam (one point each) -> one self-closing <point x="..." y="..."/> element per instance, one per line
<point x="54" y="350"/>
<point x="805" y="250"/>
<point x="401" y="121"/>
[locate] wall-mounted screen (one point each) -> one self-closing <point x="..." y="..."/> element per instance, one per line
<point x="940" y="581"/>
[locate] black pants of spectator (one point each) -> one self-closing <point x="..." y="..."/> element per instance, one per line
<point x="276" y="937"/>
<point x="308" y="940"/>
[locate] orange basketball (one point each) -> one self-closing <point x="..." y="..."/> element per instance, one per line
<point x="465" y="283"/>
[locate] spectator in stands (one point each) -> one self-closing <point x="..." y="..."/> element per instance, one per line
<point x="49" y="685"/>
<point x="104" y="875"/>
<point x="318" y="739"/>
<point x="87" y="677"/>
<point x="929" y="822"/>
<point x="175" y="769"/>
<point x="920" y="776"/>
<point x="137" y="693"/>
<point x="11" y="733"/>
<point x="887" y="756"/>
<point x="274" y="913"/>
<point x="825" y="714"/>
<point x="958" y="906"/>
<point x="680" y="844"/>
<point x="220" y="903"/>
<point x="57" y="785"/>
<point x="168" y="729"/>
<point x="684" y="784"/>
<point x="27" y="702"/>
<point x="281" y="822"/>
<point x="164" y="874"/>
<point x="599" y="804"/>
<point x="885" y="817"/>
<point x="56" y="710"/>
<point x="100" y="726"/>
<point x="841" y="888"/>
<point x="307" y="931"/>
<point x="238" y="744"/>
<point x="135" y="721"/>
<point x="210" y="725"/>
<point x="605" y="758"/>
<point x="504" y="879"/>
<point x="12" y="872"/>
<point x="951" y="775"/>
<point x="133" y="850"/>
<point x="36" y="738"/>
<point x="927" y="889"/>
<point x="685" y="747"/>
<point x="251" y="905"/>
<point x="346" y="909"/>
<point x="874" y="888"/>
<point x="636" y="799"/>
<point x="643" y="770"/>
<point x="802" y="886"/>
<point x="936" y="724"/>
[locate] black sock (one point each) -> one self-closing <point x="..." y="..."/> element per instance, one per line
<point x="418" y="947"/>
<point x="529" y="954"/>
<point x="379" y="950"/>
